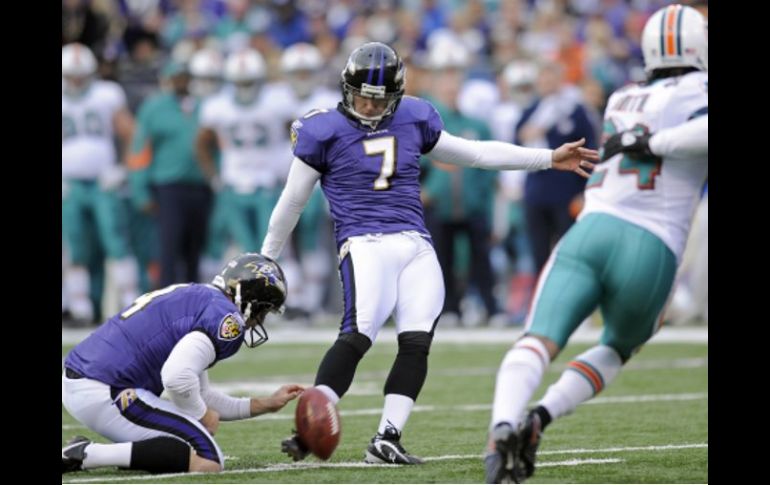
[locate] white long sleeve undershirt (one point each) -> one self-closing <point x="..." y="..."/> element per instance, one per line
<point x="185" y="379"/>
<point x="299" y="186"/>
<point x="489" y="154"/>
<point x="688" y="140"/>
<point x="229" y="408"/>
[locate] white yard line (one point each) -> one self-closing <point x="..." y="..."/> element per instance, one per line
<point x="72" y="426"/>
<point x="693" y="396"/>
<point x="578" y="451"/>
<point x="312" y="465"/>
<point x="315" y="465"/>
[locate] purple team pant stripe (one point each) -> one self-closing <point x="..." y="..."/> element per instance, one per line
<point x="349" y="295"/>
<point x="144" y="415"/>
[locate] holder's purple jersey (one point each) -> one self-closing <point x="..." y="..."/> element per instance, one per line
<point x="129" y="350"/>
<point x="370" y="177"/>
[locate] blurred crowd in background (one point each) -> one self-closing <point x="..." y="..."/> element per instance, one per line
<point x="147" y="203"/>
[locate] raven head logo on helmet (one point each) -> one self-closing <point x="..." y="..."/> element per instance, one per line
<point x="373" y="71"/>
<point x="256" y="285"/>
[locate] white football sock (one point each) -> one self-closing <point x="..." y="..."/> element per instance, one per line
<point x="329" y="393"/>
<point x="519" y="375"/>
<point x="115" y="454"/>
<point x="396" y="412"/>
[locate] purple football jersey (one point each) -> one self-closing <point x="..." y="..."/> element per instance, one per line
<point x="370" y="177"/>
<point x="130" y="349"/>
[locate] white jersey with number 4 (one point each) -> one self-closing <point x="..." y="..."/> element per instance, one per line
<point x="658" y="194"/>
<point x="87" y="146"/>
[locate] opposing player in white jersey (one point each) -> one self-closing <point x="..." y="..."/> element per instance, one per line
<point x="302" y="65"/>
<point x="93" y="111"/>
<point x="622" y="254"/>
<point x="249" y="127"/>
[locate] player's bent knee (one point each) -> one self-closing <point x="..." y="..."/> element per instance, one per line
<point x="418" y="342"/>
<point x="358" y="341"/>
<point x="161" y="455"/>
<point x="408" y="373"/>
<point x="624" y="351"/>
<point x="339" y="364"/>
<point x="552" y="347"/>
<point x="202" y="465"/>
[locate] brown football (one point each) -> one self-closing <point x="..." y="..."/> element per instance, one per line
<point x="318" y="423"/>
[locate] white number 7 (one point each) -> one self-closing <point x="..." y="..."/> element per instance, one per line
<point x="387" y="147"/>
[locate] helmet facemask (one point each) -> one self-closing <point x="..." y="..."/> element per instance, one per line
<point x="246" y="92"/>
<point x="74" y="86"/>
<point x="254" y="313"/>
<point x="255" y="334"/>
<point x="204" y="86"/>
<point x="303" y="82"/>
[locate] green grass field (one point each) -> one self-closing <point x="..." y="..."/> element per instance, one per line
<point x="649" y="426"/>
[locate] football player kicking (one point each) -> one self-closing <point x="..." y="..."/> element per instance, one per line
<point x="366" y="155"/>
